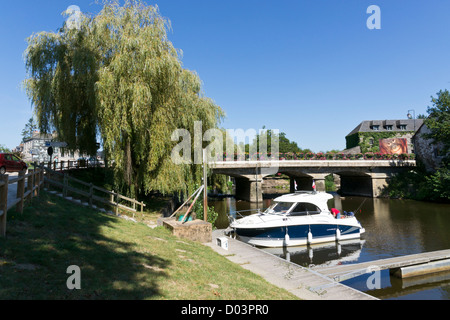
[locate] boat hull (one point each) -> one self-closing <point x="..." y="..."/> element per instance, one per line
<point x="297" y="235"/>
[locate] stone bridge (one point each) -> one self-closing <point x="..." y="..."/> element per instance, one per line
<point x="358" y="177"/>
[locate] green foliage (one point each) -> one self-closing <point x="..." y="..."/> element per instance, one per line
<point x="4" y="149"/>
<point x="438" y="121"/>
<point x="30" y="127"/>
<point x="439" y="185"/>
<point x="329" y="183"/>
<point x="352" y="141"/>
<point x="62" y="70"/>
<point x="419" y="185"/>
<point x="118" y="76"/>
<point x="212" y="214"/>
<point x="284" y="144"/>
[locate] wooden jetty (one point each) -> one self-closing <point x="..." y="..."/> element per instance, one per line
<point x="402" y="267"/>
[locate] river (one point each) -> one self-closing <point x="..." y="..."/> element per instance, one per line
<point x="393" y="228"/>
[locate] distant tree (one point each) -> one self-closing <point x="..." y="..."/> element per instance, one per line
<point x="285" y="145"/>
<point x="30" y="127"/>
<point x="4" y="149"/>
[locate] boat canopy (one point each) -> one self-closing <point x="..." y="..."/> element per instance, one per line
<point x="318" y="199"/>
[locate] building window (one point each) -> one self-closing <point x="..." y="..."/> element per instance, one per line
<point x="403" y="127"/>
<point x="376" y="128"/>
<point x="389" y="128"/>
<point x="371" y="142"/>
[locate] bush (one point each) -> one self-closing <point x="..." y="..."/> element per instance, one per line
<point x="309" y="156"/>
<point x="421" y="186"/>
<point x="320" y="156"/>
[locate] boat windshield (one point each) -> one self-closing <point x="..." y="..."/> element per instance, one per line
<point x="279" y="207"/>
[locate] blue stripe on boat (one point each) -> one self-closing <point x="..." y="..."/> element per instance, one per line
<point x="296" y="232"/>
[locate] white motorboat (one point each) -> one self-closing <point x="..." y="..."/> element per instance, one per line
<point x="297" y="219"/>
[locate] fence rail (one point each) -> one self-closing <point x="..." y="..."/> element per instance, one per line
<point x="90" y="192"/>
<point x="34" y="178"/>
<point x="41" y="175"/>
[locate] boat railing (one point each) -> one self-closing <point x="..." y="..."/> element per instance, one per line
<point x="232" y="216"/>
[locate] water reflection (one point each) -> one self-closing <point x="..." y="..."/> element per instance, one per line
<point x="330" y="254"/>
<point x="393" y="228"/>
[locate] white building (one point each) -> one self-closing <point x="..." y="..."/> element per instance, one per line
<point x="35" y="149"/>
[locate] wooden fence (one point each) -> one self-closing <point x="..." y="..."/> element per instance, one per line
<point x="68" y="185"/>
<point x="89" y="193"/>
<point x="35" y="179"/>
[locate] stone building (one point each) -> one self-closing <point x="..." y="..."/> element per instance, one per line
<point x="382" y="136"/>
<point x="35" y="149"/>
<point x="428" y="153"/>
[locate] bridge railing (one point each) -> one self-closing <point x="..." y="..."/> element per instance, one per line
<point x="312" y="156"/>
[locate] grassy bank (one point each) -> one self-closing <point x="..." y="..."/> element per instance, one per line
<point x="118" y="259"/>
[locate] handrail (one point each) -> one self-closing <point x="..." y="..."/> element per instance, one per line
<point x="112" y="201"/>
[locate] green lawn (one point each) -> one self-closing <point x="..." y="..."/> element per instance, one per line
<point x="118" y="259"/>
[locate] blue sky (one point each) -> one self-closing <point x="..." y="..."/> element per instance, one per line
<point x="311" y="69"/>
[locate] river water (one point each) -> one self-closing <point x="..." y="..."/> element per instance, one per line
<point x="393" y="228"/>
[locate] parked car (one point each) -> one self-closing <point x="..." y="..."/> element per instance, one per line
<point x="11" y="163"/>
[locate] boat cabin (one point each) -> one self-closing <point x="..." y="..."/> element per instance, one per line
<point x="300" y="204"/>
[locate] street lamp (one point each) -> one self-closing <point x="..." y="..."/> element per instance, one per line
<point x="413" y="116"/>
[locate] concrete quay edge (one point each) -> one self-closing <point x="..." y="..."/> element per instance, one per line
<point x="302" y="282"/>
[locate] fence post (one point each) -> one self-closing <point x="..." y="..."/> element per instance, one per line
<point x="37" y="180"/>
<point x="3" y="203"/>
<point x="91" y="193"/>
<point x="65" y="183"/>
<point x="20" y="191"/>
<point x="47" y="176"/>
<point x="42" y="175"/>
<point x="30" y="184"/>
<point x="117" y="204"/>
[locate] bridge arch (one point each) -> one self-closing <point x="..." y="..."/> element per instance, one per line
<point x="355" y="183"/>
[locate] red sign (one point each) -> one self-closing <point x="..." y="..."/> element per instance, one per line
<point x="393" y="146"/>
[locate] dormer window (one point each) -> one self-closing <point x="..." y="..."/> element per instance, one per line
<point x="376" y="128"/>
<point x="402" y="127"/>
<point x="389" y="128"/>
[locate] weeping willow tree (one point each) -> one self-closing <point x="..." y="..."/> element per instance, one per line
<point x="118" y="76"/>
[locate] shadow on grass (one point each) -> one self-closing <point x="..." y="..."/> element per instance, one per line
<point x="53" y="234"/>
